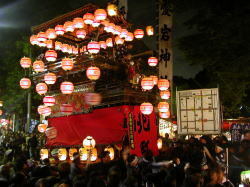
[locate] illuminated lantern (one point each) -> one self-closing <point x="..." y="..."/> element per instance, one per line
<point x="49" y="101"/>
<point x="93" y="47"/>
<point x="50" y="78"/>
<point x="89" y="142"/>
<point x="150" y="30"/>
<point x="112" y="10"/>
<point x="67" y="64"/>
<point x="81" y="33"/>
<point x="93" y="155"/>
<point x="130" y="37"/>
<point x="92" y="99"/>
<point x="25" y="83"/>
<point x="1" y="103"/>
<point x="124" y="33"/>
<point x="65" y="48"/>
<point x="68" y="26"/>
<point x="146" y="108"/>
<point x="93" y="73"/>
<point x="71" y="153"/>
<point x="83" y="152"/>
<point x="159" y="143"/>
<point x="88" y="18"/>
<point x="51" y="55"/>
<point x="164" y="115"/>
<point x="163" y="106"/>
<point x="139" y="33"/>
<point x="96" y="23"/>
<point x="62" y="154"/>
<point x="245" y="177"/>
<point x="49" y="44"/>
<point x="70" y="49"/>
<point x="41" y="37"/>
<point x="67" y="87"/>
<point x="25" y="62"/>
<point x="41" y="88"/>
<point x="41" y="44"/>
<point x="44" y="153"/>
<point x="75" y="50"/>
<point x="155" y="79"/>
<point x="117" y="30"/>
<point x="165" y="94"/>
<point x="44" y="110"/>
<point x="59" y="29"/>
<point x="147" y="83"/>
<point x="42" y="128"/>
<point x="58" y="45"/>
<point x="1" y="112"/>
<point x="78" y="23"/>
<point x="51" y="34"/>
<point x="152" y="61"/>
<point x="103" y="44"/>
<point x="33" y="40"/>
<point x="100" y="14"/>
<point x="109" y="42"/>
<point x="40" y="109"/>
<point x="118" y="40"/>
<point x="163" y="84"/>
<point x="111" y="152"/>
<point x="110" y="27"/>
<point x="66" y="109"/>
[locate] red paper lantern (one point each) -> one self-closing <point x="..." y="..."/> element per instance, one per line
<point x="75" y="50"/>
<point x="69" y="26"/>
<point x="51" y="55"/>
<point x="41" y="37"/>
<point x="65" y="48"/>
<point x="109" y="42"/>
<point x="81" y="33"/>
<point x="146" y="108"/>
<point x="147" y="83"/>
<point x="51" y="34"/>
<point x="93" y="47"/>
<point x="139" y="33"/>
<point x="33" y="40"/>
<point x="110" y="27"/>
<point x="93" y="73"/>
<point x="67" y="87"/>
<point x="165" y="94"/>
<point x="38" y="66"/>
<point x="44" y="110"/>
<point x="50" y="78"/>
<point x="100" y="14"/>
<point x="67" y="64"/>
<point x="41" y="44"/>
<point x="49" y="101"/>
<point x="163" y="84"/>
<point x="96" y="23"/>
<point x="152" y="61"/>
<point x="93" y="99"/>
<point x="164" y="115"/>
<point x="42" y="128"/>
<point x="41" y="88"/>
<point x="25" y="62"/>
<point x="155" y="79"/>
<point x="88" y="18"/>
<point x="118" y="40"/>
<point x="58" y="45"/>
<point x="112" y="10"/>
<point x="130" y="37"/>
<point x="124" y="33"/>
<point x="78" y="23"/>
<point x="163" y="106"/>
<point x="117" y="30"/>
<point x="59" y="29"/>
<point x="103" y="44"/>
<point x="25" y="83"/>
<point x="66" y="109"/>
<point x="49" y="44"/>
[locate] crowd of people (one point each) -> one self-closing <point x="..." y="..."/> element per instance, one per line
<point x="185" y="163"/>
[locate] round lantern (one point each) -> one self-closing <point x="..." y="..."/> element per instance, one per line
<point x="81" y="33"/>
<point x="86" y="154"/>
<point x="51" y="55"/>
<point x="130" y="37"/>
<point x="118" y="40"/>
<point x="163" y="84"/>
<point x="65" y="48"/>
<point x="25" y="83"/>
<point x="62" y="154"/>
<point x="155" y="79"/>
<point x="50" y="78"/>
<point x="33" y="40"/>
<point x="124" y="33"/>
<point x="100" y="14"/>
<point x="163" y="106"/>
<point x="44" y="153"/>
<point x="1" y="112"/>
<point x="88" y="142"/>
<point x="88" y="18"/>
<point x="111" y="152"/>
<point x="68" y="26"/>
<point x="93" y="155"/>
<point x="59" y="29"/>
<point x="117" y="30"/>
<point x="146" y="108"/>
<point x="78" y="23"/>
<point x="51" y="34"/>
<point x="150" y="30"/>
<point x="152" y="61"/>
<point x="111" y="28"/>
<point x="41" y="44"/>
<point x="112" y="10"/>
<point x="93" y="73"/>
<point x="58" y="45"/>
<point x="49" y="44"/>
<point x="83" y="152"/>
<point x="103" y="44"/>
<point x="96" y="23"/>
<point x="164" y="115"/>
<point x="109" y="42"/>
<point x="67" y="64"/>
<point x="42" y="128"/>
<point x="66" y="109"/>
<point x="159" y="143"/>
<point x="139" y="33"/>
<point x="147" y="83"/>
<point x="44" y="110"/>
<point x="93" y="99"/>
<point x="49" y="101"/>
<point x="41" y="88"/>
<point x="25" y="62"/>
<point x="67" y="87"/>
<point x="93" y="47"/>
<point x="165" y="94"/>
<point x="70" y="49"/>
<point x="41" y="37"/>
<point x="71" y="153"/>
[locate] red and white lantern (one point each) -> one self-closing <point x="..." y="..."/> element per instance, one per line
<point x="163" y="84"/>
<point x="96" y="23"/>
<point x="147" y="83"/>
<point x="25" y="62"/>
<point x="49" y="44"/>
<point x="146" y="108"/>
<point x="103" y="44"/>
<point x="38" y="66"/>
<point x="155" y="79"/>
<point x="163" y="106"/>
<point x="41" y="44"/>
<point x="78" y="23"/>
<point x="49" y="101"/>
<point x="42" y="128"/>
<point x="51" y="34"/>
<point x="46" y="111"/>
<point x="139" y="33"/>
<point x="100" y="14"/>
<point x="41" y="37"/>
<point x="65" y="48"/>
<point x="164" y="115"/>
<point x="67" y="87"/>
<point x="41" y="88"/>
<point x="67" y="64"/>
<point x="130" y="37"/>
<point x="69" y="26"/>
<point x="25" y="83"/>
<point x="93" y="73"/>
<point x="58" y="45"/>
<point x="117" y="30"/>
<point x="88" y="18"/>
<point x="81" y="33"/>
<point x="33" y="40"/>
<point x="66" y="109"/>
<point x="118" y="40"/>
<point x="51" y="55"/>
<point x="165" y="94"/>
<point x="93" y="99"/>
<point x="124" y="33"/>
<point x="93" y="47"/>
<point x="152" y="61"/>
<point x="109" y="42"/>
<point x="50" y="78"/>
<point x="59" y="29"/>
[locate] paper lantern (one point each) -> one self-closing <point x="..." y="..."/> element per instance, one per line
<point x="33" y="40"/>
<point x="58" y="45"/>
<point x="42" y="128"/>
<point x="67" y="64"/>
<point x="124" y="33"/>
<point x="88" y="18"/>
<point x="130" y="37"/>
<point x="139" y="33"/>
<point x="25" y="83"/>
<point x="66" y="109"/>
<point x="159" y="143"/>
<point x="86" y="153"/>
<point x="245" y="177"/>
<point x="93" y="47"/>
<point x="49" y="44"/>
<point x="146" y="108"/>
<point x="118" y="40"/>
<point x="93" y="73"/>
<point x="89" y="142"/>
<point x="71" y="153"/>
<point x="25" y="62"/>
<point x="109" y="42"/>
<point x="163" y="106"/>
<point x="51" y="133"/>
<point x="100" y="14"/>
<point x="103" y="44"/>
<point x="93" y="155"/>
<point x="44" y="110"/>
<point x="59" y="29"/>
<point x="81" y="33"/>
<point x="1" y="112"/>
<point x="41" y="88"/>
<point x="62" y="154"/>
<point x="147" y="83"/>
<point x="155" y="79"/>
<point x="150" y="30"/>
<point x="51" y="55"/>
<point x="49" y="101"/>
<point x="51" y="34"/>
<point x="165" y="94"/>
<point x="111" y="152"/>
<point x="93" y="99"/>
<point x="110" y="27"/>
<point x="50" y="78"/>
<point x="78" y="23"/>
<point x="67" y="87"/>
<point x="152" y="61"/>
<point x="96" y="23"/>
<point x="69" y="26"/>
<point x="70" y="49"/>
<point x="44" y="153"/>
<point x="75" y="50"/>
<point x="41" y="44"/>
<point x="112" y="10"/>
<point x="117" y="30"/>
<point x="163" y="84"/>
<point x="41" y="37"/>
<point x="65" y="48"/>
<point x="164" y="115"/>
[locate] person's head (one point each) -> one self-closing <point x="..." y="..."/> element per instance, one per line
<point x="247" y="135"/>
<point x="166" y="136"/>
<point x="148" y="155"/>
<point x="132" y="160"/>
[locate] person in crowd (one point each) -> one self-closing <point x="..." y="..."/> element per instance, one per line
<point x="32" y="145"/>
<point x="75" y="166"/>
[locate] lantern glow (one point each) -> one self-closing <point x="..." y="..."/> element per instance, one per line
<point x="165" y="94"/>
<point x="93" y="47"/>
<point x="88" y="18"/>
<point x="159" y="143"/>
<point x="69" y="26"/>
<point x="155" y="79"/>
<point x="59" y="29"/>
<point x="66" y="109"/>
<point x="62" y="154"/>
<point x="51" y="34"/>
<point x="81" y="33"/>
<point x="44" y="153"/>
<point x="164" y="115"/>
<point x="25" y="83"/>
<point x="25" y="62"/>
<point x="109" y="42"/>
<point x="111" y="152"/>
<point x="50" y="78"/>
<point x="89" y="142"/>
<point x="49" y="101"/>
<point x="41" y="88"/>
<point x="67" y="64"/>
<point x="67" y="87"/>
<point x="51" y="55"/>
<point x="152" y="61"/>
<point x="41" y="37"/>
<point x="138" y="33"/>
<point x="92" y="98"/>
<point x="71" y="153"/>
<point x="147" y="83"/>
<point x="112" y="10"/>
<point x="93" y="73"/>
<point x="163" y="84"/>
<point x="100" y="14"/>
<point x="146" y="108"/>
<point x="130" y="37"/>
<point x="78" y="23"/>
<point x="150" y="30"/>
<point x="33" y="40"/>
<point x="42" y="128"/>
<point x="163" y="107"/>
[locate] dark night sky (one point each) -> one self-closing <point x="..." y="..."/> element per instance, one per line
<point x="21" y="14"/>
